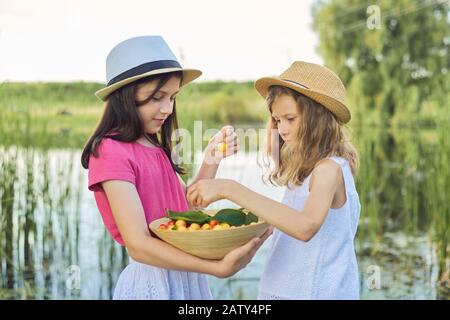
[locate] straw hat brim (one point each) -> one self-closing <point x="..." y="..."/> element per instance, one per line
<point x="338" y="108"/>
<point x="189" y="75"/>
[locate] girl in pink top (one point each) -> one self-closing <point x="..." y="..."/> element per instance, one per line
<point x="134" y="178"/>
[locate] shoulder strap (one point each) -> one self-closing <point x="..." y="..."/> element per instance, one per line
<point x="347" y="173"/>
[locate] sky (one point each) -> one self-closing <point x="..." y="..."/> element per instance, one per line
<point x="68" y="40"/>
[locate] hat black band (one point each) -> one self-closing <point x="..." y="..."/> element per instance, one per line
<point x="143" y="68"/>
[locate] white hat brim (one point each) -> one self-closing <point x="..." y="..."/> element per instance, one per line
<point x="188" y="76"/>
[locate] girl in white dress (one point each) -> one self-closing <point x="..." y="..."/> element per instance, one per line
<point x="312" y="254"/>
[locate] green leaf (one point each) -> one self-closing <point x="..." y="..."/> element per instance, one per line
<point x="189" y="216"/>
<point x="250" y="217"/>
<point x="231" y="216"/>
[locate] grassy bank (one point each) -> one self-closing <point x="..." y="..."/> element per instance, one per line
<point x="63" y="115"/>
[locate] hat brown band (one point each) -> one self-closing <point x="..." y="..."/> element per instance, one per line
<point x="143" y="68"/>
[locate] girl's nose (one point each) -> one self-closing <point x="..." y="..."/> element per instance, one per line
<point x="282" y="130"/>
<point x="167" y="108"/>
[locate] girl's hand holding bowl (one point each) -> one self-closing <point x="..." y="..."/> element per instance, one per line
<point x="238" y="258"/>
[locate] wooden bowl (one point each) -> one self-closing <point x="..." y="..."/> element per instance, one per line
<point x="209" y="244"/>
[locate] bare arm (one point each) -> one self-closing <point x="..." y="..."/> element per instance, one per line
<point x="130" y="219"/>
<point x="212" y="158"/>
<point x="300" y="225"/>
<point x="206" y="171"/>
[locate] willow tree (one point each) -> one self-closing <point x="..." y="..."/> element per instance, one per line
<point x="393" y="56"/>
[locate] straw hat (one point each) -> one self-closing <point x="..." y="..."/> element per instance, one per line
<point x="314" y="81"/>
<point x="140" y="57"/>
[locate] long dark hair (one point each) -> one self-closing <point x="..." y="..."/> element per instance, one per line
<point x="122" y="122"/>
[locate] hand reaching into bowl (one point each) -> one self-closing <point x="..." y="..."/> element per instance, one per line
<point x="206" y="191"/>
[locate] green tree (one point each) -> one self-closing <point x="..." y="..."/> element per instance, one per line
<point x="393" y="68"/>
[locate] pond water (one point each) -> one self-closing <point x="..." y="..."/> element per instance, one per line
<point x="53" y="244"/>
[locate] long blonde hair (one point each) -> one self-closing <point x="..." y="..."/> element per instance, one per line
<point x="320" y="135"/>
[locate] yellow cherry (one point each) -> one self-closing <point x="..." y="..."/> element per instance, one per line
<point x="194" y="227"/>
<point x="225" y="225"/>
<point x="206" y="226"/>
<point x="180" y="223"/>
<point x="222" y="147"/>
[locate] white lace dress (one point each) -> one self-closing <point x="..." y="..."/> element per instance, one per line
<point x="324" y="267"/>
<point x="140" y="281"/>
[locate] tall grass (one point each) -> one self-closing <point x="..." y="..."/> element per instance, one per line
<point x="438" y="184"/>
<point x="8" y="176"/>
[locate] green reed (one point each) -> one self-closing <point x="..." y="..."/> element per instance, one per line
<point x="368" y="193"/>
<point x="438" y="184"/>
<point x="8" y="176"/>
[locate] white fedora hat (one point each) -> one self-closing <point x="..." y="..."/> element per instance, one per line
<point x="140" y="57"/>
